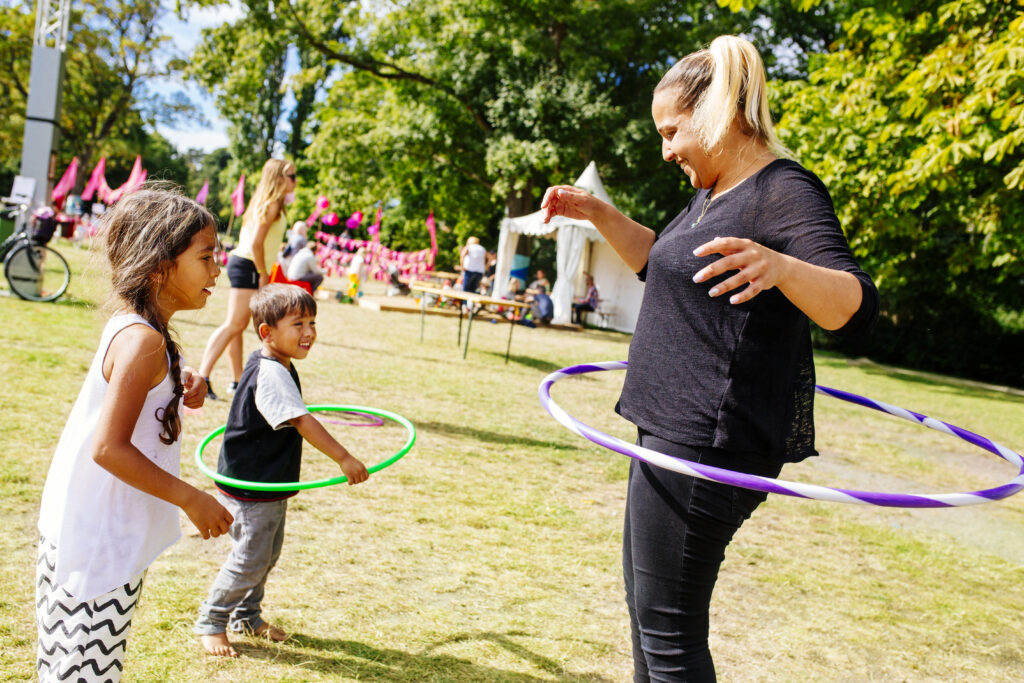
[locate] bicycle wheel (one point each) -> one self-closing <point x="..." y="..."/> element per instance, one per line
<point x="36" y="272"/>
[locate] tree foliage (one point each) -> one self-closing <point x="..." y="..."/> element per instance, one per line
<point x="915" y="121"/>
<point x="472" y="107"/>
<point x="115" y="52"/>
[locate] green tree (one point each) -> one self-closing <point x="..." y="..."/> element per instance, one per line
<point x="471" y="108"/>
<point x="915" y="121"/>
<point x="115" y="53"/>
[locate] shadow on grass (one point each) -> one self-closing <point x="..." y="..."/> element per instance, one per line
<point x="484" y="435"/>
<point x="535" y="363"/>
<point x="933" y="382"/>
<point x="374" y="663"/>
<point x="65" y="301"/>
<point x="950" y="386"/>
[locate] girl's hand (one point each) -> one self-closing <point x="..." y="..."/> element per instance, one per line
<point x="264" y="280"/>
<point x="195" y="388"/>
<point x="209" y="516"/>
<point x="354" y="470"/>
<point x="760" y="268"/>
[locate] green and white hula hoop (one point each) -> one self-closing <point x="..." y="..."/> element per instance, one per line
<point x="301" y="485"/>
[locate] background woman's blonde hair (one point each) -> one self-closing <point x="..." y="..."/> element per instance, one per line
<point x="270" y="192"/>
<point x="719" y="84"/>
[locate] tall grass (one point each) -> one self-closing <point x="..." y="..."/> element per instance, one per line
<point x="491" y="551"/>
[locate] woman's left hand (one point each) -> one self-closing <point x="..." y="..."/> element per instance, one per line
<point x="760" y="268"/>
<point x="195" y="388"/>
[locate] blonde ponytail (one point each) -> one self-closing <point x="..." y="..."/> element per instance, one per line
<point x="720" y="83"/>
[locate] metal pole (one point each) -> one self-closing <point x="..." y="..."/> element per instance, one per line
<point x="511" y="324"/>
<point x="42" y="111"/>
<point x="469" y="326"/>
<point x="423" y="312"/>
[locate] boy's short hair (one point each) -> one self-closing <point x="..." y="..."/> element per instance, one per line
<point x="274" y="301"/>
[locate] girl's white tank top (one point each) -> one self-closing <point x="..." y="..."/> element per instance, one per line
<point x="106" y="531"/>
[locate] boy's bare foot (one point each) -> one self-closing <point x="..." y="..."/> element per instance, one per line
<point x="271" y="632"/>
<point x="218" y="645"/>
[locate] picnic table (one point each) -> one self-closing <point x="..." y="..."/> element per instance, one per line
<point x="439" y="276"/>
<point x="471" y="299"/>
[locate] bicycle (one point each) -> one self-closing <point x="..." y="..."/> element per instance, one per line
<point x="34" y="271"/>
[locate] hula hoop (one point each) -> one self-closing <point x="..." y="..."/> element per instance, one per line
<point x="377" y="421"/>
<point x="789" y="488"/>
<point x="302" y="485"/>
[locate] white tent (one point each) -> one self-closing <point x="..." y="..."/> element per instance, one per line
<point x="580" y="248"/>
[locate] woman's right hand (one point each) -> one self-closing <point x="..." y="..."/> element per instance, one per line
<point x="571" y="202"/>
<point x="630" y="240"/>
<point x="209" y="517"/>
<point x="264" y="280"/>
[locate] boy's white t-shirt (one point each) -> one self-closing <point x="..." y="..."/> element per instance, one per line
<point x="277" y="398"/>
<point x="106" y="531"/>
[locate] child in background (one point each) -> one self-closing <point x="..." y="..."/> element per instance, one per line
<point x="111" y="499"/>
<point x="263" y="442"/>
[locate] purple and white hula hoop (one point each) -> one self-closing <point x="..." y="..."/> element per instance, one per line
<point x="789" y="488"/>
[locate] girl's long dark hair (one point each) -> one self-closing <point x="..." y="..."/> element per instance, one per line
<point x="144" y="233"/>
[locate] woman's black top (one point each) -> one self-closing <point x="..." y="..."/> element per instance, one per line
<point x="705" y="372"/>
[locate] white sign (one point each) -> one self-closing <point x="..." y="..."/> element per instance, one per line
<point x="24" y="190"/>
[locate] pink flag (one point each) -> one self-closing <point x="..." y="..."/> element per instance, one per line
<point x="140" y="181"/>
<point x="66" y="182"/>
<point x="135" y="180"/>
<point x="374" y="229"/>
<point x="432" y="229"/>
<point x="96" y="180"/>
<point x="321" y="205"/>
<point x="205" y="190"/>
<point x="238" y="197"/>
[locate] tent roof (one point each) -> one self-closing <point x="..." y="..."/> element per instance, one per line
<point x="533" y="224"/>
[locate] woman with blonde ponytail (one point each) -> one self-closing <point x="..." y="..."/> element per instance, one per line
<point x="720" y="366"/>
<point x="111" y="499"/>
<point x="249" y="264"/>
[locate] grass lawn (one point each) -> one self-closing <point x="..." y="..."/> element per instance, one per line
<point x="491" y="551"/>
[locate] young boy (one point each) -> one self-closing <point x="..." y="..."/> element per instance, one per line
<point x="263" y="442"/>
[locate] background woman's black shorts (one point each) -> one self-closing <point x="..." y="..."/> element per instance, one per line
<point x="242" y="273"/>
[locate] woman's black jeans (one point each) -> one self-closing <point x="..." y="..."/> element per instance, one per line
<point x="676" y="531"/>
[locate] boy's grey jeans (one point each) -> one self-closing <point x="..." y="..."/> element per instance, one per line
<point x="257" y="535"/>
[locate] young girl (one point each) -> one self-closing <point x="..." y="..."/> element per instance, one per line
<point x="111" y="499"/>
<point x="263" y="228"/>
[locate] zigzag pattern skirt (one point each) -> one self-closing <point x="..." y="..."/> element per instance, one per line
<point x="80" y="641"/>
